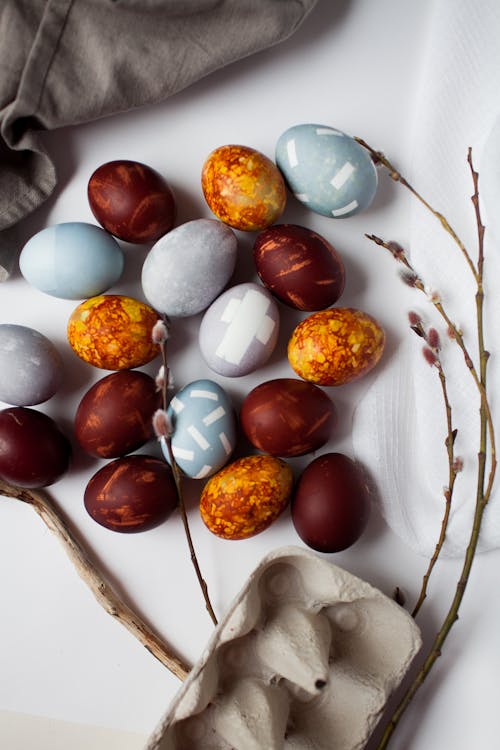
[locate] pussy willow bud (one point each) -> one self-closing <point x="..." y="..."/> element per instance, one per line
<point x="159" y="334"/>
<point x="433" y="339"/>
<point x="162" y="424"/>
<point x="429" y="356"/>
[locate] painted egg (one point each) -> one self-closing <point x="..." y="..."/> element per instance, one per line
<point x="299" y="267"/>
<point x="333" y="347"/>
<point x="239" y="330"/>
<point x="134" y="493"/>
<point x="132" y="201"/>
<point x="243" y="187"/>
<point x="74" y="260"/>
<point x="328" y="171"/>
<point x="331" y="503"/>
<point x="114" y="417"/>
<point x="204" y="425"/>
<point x="245" y="497"/>
<point x="33" y="450"/>
<point x="186" y="270"/>
<point x="30" y="366"/>
<point x="113" y="332"/>
<point x="287" y="417"/>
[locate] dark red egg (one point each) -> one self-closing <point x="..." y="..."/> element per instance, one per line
<point x="33" y="450"/>
<point x="287" y="417"/>
<point x="130" y="494"/>
<point x="299" y="267"/>
<point x="331" y="503"/>
<point x="115" y="416"/>
<point x="131" y="201"/>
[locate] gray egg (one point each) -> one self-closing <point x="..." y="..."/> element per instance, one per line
<point x="188" y="267"/>
<point x="30" y="366"/>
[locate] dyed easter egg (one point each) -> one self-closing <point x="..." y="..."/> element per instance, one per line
<point x="331" y="503"/>
<point x="328" y="171"/>
<point x="30" y="366"/>
<point x="245" y="497"/>
<point x="134" y="493"/>
<point x="287" y="417"/>
<point x="74" y="260"/>
<point x="204" y="428"/>
<point x="186" y="270"/>
<point x="113" y="332"/>
<point x="299" y="267"/>
<point x="33" y="450"/>
<point x="132" y="201"/>
<point x="239" y="330"/>
<point x="243" y="187"/>
<point x="114" y="417"/>
<point x="333" y="347"/>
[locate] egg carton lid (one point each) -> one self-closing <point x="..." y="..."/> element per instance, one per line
<point x="305" y="657"/>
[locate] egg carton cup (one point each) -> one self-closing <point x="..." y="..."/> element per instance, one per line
<point x="305" y="659"/>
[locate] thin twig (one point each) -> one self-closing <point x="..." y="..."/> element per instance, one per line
<point x="90" y="574"/>
<point x="162" y="338"/>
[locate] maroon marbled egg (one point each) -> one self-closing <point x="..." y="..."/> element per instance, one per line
<point x="33" y="450"/>
<point x="115" y="416"/>
<point x="331" y="503"/>
<point x="287" y="417"/>
<point x="299" y="267"/>
<point x="133" y="493"/>
<point x="131" y="201"/>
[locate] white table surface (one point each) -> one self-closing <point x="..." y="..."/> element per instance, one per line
<point x="354" y="65"/>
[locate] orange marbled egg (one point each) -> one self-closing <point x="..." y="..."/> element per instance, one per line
<point x="243" y="188"/>
<point x="335" y="346"/>
<point x="113" y="332"/>
<point x="246" y="496"/>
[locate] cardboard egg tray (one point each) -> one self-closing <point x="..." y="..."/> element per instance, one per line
<point x="305" y="659"/>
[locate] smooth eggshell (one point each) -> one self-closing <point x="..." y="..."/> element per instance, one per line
<point x="134" y="493"/>
<point x="245" y="497"/>
<point x="132" y="201"/>
<point x="31" y="367"/>
<point x="114" y="417"/>
<point x="204" y="428"/>
<point x="327" y="170"/>
<point x="331" y="503"/>
<point x="185" y="270"/>
<point x="113" y="332"/>
<point x="33" y="450"/>
<point x="73" y="260"/>
<point x="243" y="187"/>
<point x="287" y="417"/>
<point x="333" y="347"/>
<point x="239" y="330"/>
<point x="299" y="267"/>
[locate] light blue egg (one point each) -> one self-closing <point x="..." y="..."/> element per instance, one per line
<point x="74" y="260"/>
<point x="204" y="425"/>
<point x="31" y="367"/>
<point x="326" y="170"/>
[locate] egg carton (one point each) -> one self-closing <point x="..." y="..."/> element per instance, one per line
<point x="305" y="659"/>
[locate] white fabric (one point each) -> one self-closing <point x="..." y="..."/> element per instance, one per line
<point x="458" y="107"/>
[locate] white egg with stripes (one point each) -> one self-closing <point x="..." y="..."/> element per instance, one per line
<point x="204" y="429"/>
<point x="239" y="331"/>
<point x="327" y="170"/>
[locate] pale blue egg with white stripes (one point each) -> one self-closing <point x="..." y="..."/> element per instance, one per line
<point x="72" y="260"/>
<point x="204" y="428"/>
<point x="326" y="170"/>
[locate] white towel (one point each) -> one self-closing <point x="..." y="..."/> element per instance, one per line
<point x="458" y="107"/>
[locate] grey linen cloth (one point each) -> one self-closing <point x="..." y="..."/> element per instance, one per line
<point x="64" y="62"/>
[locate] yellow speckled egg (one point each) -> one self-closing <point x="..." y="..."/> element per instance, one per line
<point x="335" y="346"/>
<point x="246" y="496"/>
<point x="113" y="332"/>
<point x="243" y="187"/>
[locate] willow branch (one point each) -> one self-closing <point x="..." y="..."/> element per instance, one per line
<point x="91" y="575"/>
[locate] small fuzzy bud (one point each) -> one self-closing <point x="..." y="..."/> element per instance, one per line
<point x="433" y="339"/>
<point x="432" y="295"/>
<point x="396" y="250"/>
<point x="159" y="334"/>
<point x="414" y="318"/>
<point x="162" y="424"/>
<point x="429" y="356"/>
<point x="458" y="465"/>
<point x="409" y="278"/>
<point x="160" y="379"/>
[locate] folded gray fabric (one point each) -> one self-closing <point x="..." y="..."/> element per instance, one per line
<point x="64" y="62"/>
